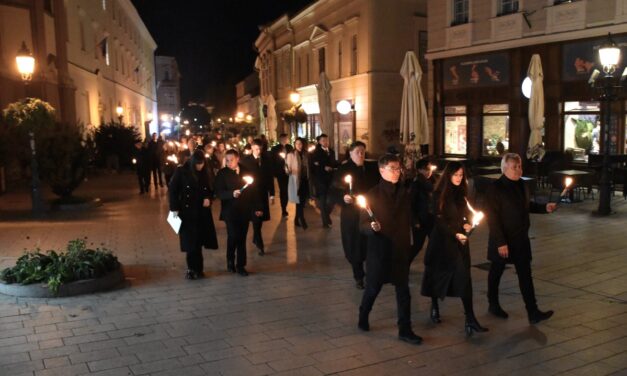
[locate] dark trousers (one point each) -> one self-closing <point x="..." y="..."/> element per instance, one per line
<point x="322" y="201"/>
<point x="195" y="260"/>
<point x="283" y="181"/>
<point x="257" y="238"/>
<point x="525" y="282"/>
<point x="156" y="172"/>
<point x="420" y="235"/>
<point x="403" y="303"/>
<point x="236" y="232"/>
<point x="143" y="177"/>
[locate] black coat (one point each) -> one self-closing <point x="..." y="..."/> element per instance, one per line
<point x="389" y="249"/>
<point x="236" y="209"/>
<point x="422" y="202"/>
<point x="277" y="161"/>
<point x="508" y="217"/>
<point x="447" y="261"/>
<point x="187" y="190"/>
<point x="321" y="177"/>
<point x="364" y="179"/>
<point x="261" y="171"/>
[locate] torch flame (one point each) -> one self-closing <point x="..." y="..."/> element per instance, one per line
<point x="477" y="216"/>
<point x="348" y="179"/>
<point x="248" y="179"/>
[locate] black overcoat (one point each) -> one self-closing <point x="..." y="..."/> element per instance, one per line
<point x="236" y="209"/>
<point x="261" y="171"/>
<point x="389" y="250"/>
<point x="319" y="160"/>
<point x="364" y="179"/>
<point x="187" y="190"/>
<point x="447" y="261"/>
<point x="508" y="217"/>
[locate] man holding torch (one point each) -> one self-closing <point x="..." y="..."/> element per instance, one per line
<point x="386" y="221"/>
<point x="355" y="176"/>
<point x="508" y="217"/>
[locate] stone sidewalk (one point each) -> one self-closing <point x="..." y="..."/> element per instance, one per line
<point x="296" y="314"/>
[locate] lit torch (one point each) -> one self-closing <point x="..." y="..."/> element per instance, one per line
<point x="249" y="180"/>
<point x="349" y="180"/>
<point x="361" y="201"/>
<point x="477" y="216"/>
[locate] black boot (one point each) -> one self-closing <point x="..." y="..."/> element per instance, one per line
<point x="435" y="312"/>
<point x="497" y="311"/>
<point x="537" y="316"/>
<point x="472" y="325"/>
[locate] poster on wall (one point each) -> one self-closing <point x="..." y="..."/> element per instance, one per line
<point x="476" y="71"/>
<point x="580" y="59"/>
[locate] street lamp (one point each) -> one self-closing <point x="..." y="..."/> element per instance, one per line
<point x="26" y="66"/>
<point x="609" y="89"/>
<point x="120" y="111"/>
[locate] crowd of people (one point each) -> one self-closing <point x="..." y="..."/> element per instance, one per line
<point x="385" y="218"/>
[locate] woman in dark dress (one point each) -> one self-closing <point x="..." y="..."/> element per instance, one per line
<point x="447" y="260"/>
<point x="190" y="198"/>
<point x="297" y="166"/>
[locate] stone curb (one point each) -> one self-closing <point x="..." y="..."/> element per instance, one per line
<point x="87" y="286"/>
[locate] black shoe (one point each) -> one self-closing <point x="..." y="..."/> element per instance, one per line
<point x="189" y="274"/>
<point x="242" y="271"/>
<point x="435" y="314"/>
<point x="262" y="252"/>
<point x="410" y="337"/>
<point x="538" y="316"/>
<point x="472" y="325"/>
<point x="360" y="284"/>
<point x="230" y="268"/>
<point x="363" y="324"/>
<point x="497" y="311"/>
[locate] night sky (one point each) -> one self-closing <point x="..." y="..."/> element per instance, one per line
<point x="212" y="41"/>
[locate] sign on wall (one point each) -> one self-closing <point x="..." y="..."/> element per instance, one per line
<point x="476" y="71"/>
<point x="580" y="59"/>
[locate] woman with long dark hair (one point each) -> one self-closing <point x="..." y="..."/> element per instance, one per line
<point x="297" y="166"/>
<point x="447" y="260"/>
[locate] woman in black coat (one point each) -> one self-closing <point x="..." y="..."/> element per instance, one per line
<point x="447" y="260"/>
<point x="190" y="198"/>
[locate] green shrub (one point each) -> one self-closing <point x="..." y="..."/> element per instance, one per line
<point x="57" y="268"/>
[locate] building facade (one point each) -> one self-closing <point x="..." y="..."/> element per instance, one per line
<point x="92" y="57"/>
<point x="481" y="50"/>
<point x="360" y="45"/>
<point x="168" y="91"/>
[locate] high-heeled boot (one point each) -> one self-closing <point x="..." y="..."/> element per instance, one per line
<point x="472" y="325"/>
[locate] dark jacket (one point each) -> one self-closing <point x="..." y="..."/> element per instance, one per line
<point x="447" y="261"/>
<point x="389" y="249"/>
<point x="278" y="162"/>
<point x="187" y="190"/>
<point x="261" y="171"/>
<point x="364" y="179"/>
<point x="236" y="209"/>
<point x="321" y="177"/>
<point x="422" y="202"/>
<point x="508" y="217"/>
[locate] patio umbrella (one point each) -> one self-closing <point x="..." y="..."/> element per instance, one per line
<point x="271" y="120"/>
<point x="536" y="101"/>
<point x="414" y="117"/>
<point x="324" y="102"/>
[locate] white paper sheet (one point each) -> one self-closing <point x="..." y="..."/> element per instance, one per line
<point x="175" y="222"/>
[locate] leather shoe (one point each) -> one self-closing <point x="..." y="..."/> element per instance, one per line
<point x="497" y="311"/>
<point x="242" y="271"/>
<point x="360" y="284"/>
<point x="538" y="316"/>
<point x="410" y="337"/>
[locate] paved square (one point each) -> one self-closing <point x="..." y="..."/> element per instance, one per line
<point x="296" y="314"/>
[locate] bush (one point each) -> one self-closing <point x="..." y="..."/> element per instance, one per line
<point x="115" y="139"/>
<point x="57" y="268"/>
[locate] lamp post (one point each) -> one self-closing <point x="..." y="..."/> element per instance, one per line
<point x="609" y="89"/>
<point x="26" y="66"/>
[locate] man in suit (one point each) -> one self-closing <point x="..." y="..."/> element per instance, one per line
<point x="508" y="217"/>
<point x="259" y="164"/>
<point x="237" y="206"/>
<point x="279" y="153"/>
<point x="323" y="163"/>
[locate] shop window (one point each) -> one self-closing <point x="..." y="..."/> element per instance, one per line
<point x="508" y="7"/>
<point x="582" y="129"/>
<point x="495" y="129"/>
<point x="455" y="130"/>
<point x="460" y="12"/>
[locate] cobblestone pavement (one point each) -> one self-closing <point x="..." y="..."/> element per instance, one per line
<point x="296" y="314"/>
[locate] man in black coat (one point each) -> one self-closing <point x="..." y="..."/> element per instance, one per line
<point x="389" y="246"/>
<point x="508" y="218"/>
<point x="323" y="163"/>
<point x="237" y="206"/>
<point x="364" y="176"/>
<point x="422" y="205"/>
<point x="279" y="152"/>
<point x="259" y="165"/>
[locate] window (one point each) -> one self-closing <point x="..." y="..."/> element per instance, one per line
<point x="508" y="7"/>
<point x="339" y="60"/>
<point x="354" y="55"/>
<point x="321" y="60"/>
<point x="582" y="129"/>
<point x="495" y="129"/>
<point x="460" y="12"/>
<point x="455" y="130"/>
